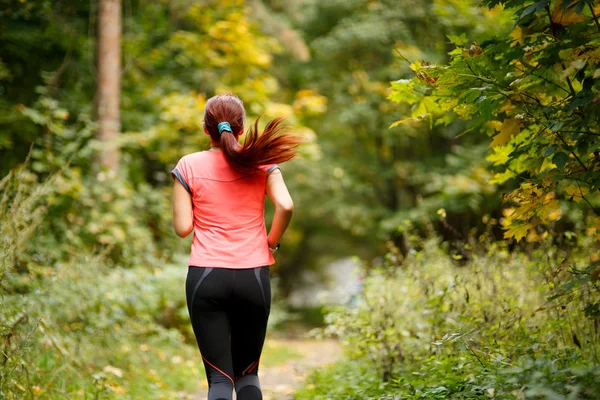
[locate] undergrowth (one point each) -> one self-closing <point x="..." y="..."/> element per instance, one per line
<point x="503" y="324"/>
<point x="77" y="324"/>
<point x="81" y="327"/>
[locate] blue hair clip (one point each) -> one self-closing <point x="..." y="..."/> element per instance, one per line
<point x="224" y="126"/>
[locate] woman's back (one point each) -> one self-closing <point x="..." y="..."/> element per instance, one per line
<point x="219" y="195"/>
<point x="228" y="207"/>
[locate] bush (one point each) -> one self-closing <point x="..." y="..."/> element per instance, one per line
<point x="503" y="324"/>
<point x="87" y="328"/>
<point x="73" y="325"/>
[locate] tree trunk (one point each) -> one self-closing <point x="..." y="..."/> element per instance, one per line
<point x="109" y="82"/>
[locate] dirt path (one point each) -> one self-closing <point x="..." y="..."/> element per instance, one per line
<point x="279" y="380"/>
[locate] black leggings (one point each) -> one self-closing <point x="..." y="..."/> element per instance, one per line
<point x="229" y="309"/>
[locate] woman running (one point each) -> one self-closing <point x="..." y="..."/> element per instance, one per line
<point x="219" y="195"/>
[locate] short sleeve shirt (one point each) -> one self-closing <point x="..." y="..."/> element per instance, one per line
<point x="228" y="207"/>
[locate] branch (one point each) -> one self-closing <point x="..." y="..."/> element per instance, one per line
<point x="487" y="80"/>
<point x="587" y="201"/>
<point x="572" y="152"/>
<point x="542" y="77"/>
<point x="402" y="56"/>
<point x="584" y="132"/>
<point x="63" y="66"/>
<point x="594" y="17"/>
<point x="475" y="354"/>
<point x="554" y="33"/>
<point x="494" y="358"/>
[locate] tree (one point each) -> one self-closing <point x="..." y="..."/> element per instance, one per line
<point x="537" y="92"/>
<point x="385" y="177"/>
<point x="109" y="81"/>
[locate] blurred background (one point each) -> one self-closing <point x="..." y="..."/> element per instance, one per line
<point x="446" y="218"/>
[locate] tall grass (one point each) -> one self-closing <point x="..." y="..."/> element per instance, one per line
<point x="82" y="327"/>
<point x="20" y="211"/>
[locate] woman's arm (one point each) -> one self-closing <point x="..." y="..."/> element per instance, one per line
<point x="284" y="206"/>
<point x="183" y="215"/>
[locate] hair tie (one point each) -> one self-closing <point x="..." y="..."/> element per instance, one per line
<point x="224" y="126"/>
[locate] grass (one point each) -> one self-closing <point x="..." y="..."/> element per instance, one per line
<point x="277" y="352"/>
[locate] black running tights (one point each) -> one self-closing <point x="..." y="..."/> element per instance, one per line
<point x="229" y="309"/>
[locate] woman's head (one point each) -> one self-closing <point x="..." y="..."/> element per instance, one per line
<point x="224" y="108"/>
<point x="271" y="147"/>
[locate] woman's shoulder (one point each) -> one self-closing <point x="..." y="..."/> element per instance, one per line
<point x="197" y="157"/>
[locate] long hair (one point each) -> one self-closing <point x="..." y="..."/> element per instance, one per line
<point x="270" y="147"/>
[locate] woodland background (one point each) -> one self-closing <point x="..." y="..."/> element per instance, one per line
<point x="451" y="145"/>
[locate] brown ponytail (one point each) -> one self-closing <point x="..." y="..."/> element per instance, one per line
<point x="271" y="147"/>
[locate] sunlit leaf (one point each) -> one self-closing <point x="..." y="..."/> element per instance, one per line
<point x="510" y="127"/>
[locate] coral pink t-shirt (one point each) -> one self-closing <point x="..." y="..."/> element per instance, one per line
<point x="229" y="221"/>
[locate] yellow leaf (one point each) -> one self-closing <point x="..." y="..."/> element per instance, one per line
<point x="565" y="16"/>
<point x="517" y="35"/>
<point x="497" y="125"/>
<point x="500" y="155"/>
<point x="555" y="214"/>
<point x="597" y="73"/>
<point x="575" y="193"/>
<point x="518" y="231"/>
<point x="415" y="66"/>
<point x="510" y="127"/>
<point x="410" y="119"/>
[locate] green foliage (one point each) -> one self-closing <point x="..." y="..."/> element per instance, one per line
<point x="128" y="221"/>
<point x="80" y="328"/>
<point x="91" y="330"/>
<point x="455" y="329"/>
<point x="497" y="326"/>
<point x="73" y="324"/>
<point x="536" y="91"/>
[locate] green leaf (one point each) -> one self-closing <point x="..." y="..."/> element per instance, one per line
<point x="550" y="150"/>
<point x="458" y="40"/>
<point x="560" y="159"/>
<point x="555" y="126"/>
<point x="528" y="11"/>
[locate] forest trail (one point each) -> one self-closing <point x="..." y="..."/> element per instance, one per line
<point x="279" y="379"/>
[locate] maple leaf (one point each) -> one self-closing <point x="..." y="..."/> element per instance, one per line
<point x="566" y="15"/>
<point x="509" y="128"/>
<point x="517" y="230"/>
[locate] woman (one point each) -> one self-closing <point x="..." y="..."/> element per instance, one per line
<point x="219" y="195"/>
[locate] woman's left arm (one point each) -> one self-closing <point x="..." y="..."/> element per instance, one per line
<point x="183" y="215"/>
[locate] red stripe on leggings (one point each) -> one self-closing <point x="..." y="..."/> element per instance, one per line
<point x="218" y="370"/>
<point x="255" y="365"/>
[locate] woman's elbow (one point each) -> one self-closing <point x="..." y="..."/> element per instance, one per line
<point x="287" y="207"/>
<point x="182" y="231"/>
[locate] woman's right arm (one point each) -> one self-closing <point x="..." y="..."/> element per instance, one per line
<point x="183" y="214"/>
<point x="284" y="207"/>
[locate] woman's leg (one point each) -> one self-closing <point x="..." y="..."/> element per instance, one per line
<point x="207" y="292"/>
<point x="251" y="304"/>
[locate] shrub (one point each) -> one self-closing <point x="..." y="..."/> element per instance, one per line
<point x="503" y="324"/>
<point x="72" y="324"/>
